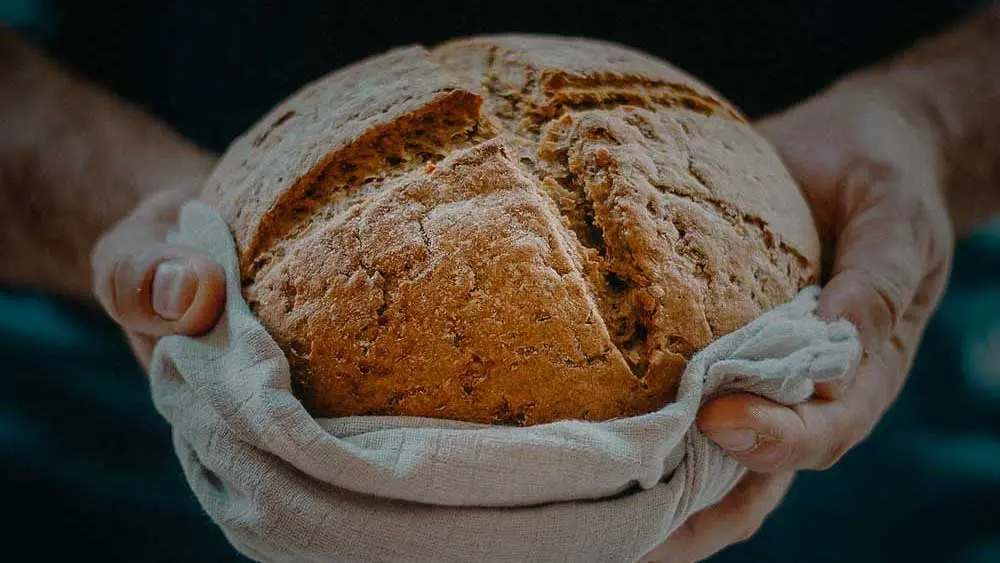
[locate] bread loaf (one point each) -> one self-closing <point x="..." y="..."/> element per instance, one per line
<point x="507" y="230"/>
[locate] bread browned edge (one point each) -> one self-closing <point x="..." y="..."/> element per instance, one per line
<point x="263" y="208"/>
<point x="269" y="176"/>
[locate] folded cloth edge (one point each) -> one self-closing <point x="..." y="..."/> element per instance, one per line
<point x="428" y="461"/>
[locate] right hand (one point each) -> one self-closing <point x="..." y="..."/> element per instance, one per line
<point x="866" y="159"/>
<point x="152" y="288"/>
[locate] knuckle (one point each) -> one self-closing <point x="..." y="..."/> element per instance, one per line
<point x="831" y="435"/>
<point x="694" y="526"/>
<point x="102" y="262"/>
<point x="932" y="229"/>
<point x="877" y="299"/>
<point x="788" y="447"/>
<point x="108" y="258"/>
<point x="890" y="198"/>
<point x="826" y="461"/>
<point x="888" y="297"/>
<point x="921" y="213"/>
<point x="117" y="302"/>
<point x="781" y="454"/>
<point x="750" y="531"/>
<point x="883" y="289"/>
<point x="129" y="277"/>
<point x="864" y="426"/>
<point x="833" y="454"/>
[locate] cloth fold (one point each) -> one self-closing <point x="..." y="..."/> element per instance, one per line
<point x="284" y="486"/>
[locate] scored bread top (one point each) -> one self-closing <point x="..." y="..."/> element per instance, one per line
<point x="510" y="229"/>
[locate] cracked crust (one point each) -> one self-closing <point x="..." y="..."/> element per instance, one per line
<point x="509" y="230"/>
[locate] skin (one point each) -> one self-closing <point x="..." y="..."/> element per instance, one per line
<point x="870" y="174"/>
<point x="896" y="162"/>
<point x="75" y="160"/>
<point x="153" y="289"/>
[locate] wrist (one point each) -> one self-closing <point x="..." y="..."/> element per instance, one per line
<point x="74" y="160"/>
<point x="954" y="80"/>
<point x="910" y="118"/>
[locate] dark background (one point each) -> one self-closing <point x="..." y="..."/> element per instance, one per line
<point x="87" y="463"/>
<point x="211" y="67"/>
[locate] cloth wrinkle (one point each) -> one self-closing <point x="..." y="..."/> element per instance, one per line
<point x="288" y="487"/>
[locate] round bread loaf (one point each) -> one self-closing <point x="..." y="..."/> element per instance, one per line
<point x="508" y="230"/>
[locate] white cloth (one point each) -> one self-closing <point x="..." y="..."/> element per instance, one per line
<point x="284" y="486"/>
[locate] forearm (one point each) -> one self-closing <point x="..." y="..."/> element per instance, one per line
<point x="73" y="160"/>
<point x="956" y="78"/>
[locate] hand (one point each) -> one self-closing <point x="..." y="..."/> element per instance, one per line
<point x="74" y="159"/>
<point x="151" y="288"/>
<point x="867" y="159"/>
<point x="735" y="518"/>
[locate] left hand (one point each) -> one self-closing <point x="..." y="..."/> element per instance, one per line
<point x="150" y="287"/>
<point x="868" y="161"/>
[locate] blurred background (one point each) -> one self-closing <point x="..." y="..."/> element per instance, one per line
<point x="87" y="462"/>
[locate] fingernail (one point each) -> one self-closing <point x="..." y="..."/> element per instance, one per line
<point x="830" y="390"/>
<point x="174" y="287"/>
<point x="736" y="441"/>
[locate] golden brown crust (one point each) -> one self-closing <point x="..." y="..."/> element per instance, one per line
<point x="508" y="230"/>
<point x="451" y="293"/>
<point x="532" y="78"/>
<point x="271" y="167"/>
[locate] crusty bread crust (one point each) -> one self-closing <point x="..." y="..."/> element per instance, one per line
<point x="509" y="229"/>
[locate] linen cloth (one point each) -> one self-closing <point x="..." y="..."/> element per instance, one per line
<point x="284" y="486"/>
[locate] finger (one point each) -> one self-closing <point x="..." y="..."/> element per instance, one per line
<point x="881" y="256"/>
<point x="829" y="390"/>
<point x="737" y="517"/>
<point x="811" y="163"/>
<point x="159" y="289"/>
<point x="142" y="348"/>
<point x="765" y="436"/>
